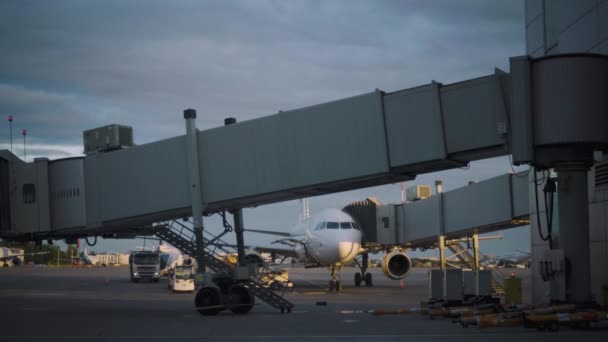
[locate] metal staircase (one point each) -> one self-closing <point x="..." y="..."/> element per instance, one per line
<point x="468" y="260"/>
<point x="181" y="236"/>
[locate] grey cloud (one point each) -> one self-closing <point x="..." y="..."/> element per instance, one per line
<point x="140" y="63"/>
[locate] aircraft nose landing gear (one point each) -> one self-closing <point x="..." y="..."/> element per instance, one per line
<point x="334" y="283"/>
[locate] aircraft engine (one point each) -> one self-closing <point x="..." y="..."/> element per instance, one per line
<point x="396" y="265"/>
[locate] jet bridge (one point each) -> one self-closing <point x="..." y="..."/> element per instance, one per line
<point x="366" y="140"/>
<point x="495" y="204"/>
<point x="549" y="112"/>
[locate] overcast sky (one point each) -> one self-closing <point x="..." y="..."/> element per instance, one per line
<point x="67" y="66"/>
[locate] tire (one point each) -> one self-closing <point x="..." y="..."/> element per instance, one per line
<point x="338" y="286"/>
<point x="208" y="301"/>
<point x="368" y="280"/>
<point x="331" y="285"/>
<point x="241" y="299"/>
<point x="275" y="286"/>
<point x="155" y="280"/>
<point x="135" y="280"/>
<point x="358" y="279"/>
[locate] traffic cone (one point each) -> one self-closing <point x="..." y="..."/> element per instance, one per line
<point x="401" y="283"/>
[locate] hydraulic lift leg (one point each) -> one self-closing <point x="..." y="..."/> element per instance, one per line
<point x="238" y="229"/>
<point x="476" y="251"/>
<point x="195" y="185"/>
<point x="441" y="252"/>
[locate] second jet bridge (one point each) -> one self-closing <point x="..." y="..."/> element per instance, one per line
<point x="498" y="203"/>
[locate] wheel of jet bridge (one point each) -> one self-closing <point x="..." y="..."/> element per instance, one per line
<point x="241" y="299"/>
<point x="208" y="301"/>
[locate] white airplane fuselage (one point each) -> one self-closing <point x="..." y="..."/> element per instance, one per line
<point x="330" y="237"/>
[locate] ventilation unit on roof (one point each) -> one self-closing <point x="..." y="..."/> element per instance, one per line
<point x="418" y="192"/>
<point x="107" y="138"/>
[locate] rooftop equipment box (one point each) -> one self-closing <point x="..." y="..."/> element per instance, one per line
<point x="418" y="192"/>
<point x="107" y="138"/>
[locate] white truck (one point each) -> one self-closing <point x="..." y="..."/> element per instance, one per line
<point x="144" y="265"/>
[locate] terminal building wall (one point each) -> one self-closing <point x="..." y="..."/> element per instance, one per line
<point x="556" y="27"/>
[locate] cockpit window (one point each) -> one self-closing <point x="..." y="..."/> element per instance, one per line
<point x="333" y="225"/>
<point x="345" y="225"/>
<point x="320" y="226"/>
<point x="356" y="226"/>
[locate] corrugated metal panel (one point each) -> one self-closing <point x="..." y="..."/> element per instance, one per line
<point x="67" y="193"/>
<point x="139" y="181"/>
<point x="521" y="194"/>
<point x="477" y="205"/>
<point x="522" y="142"/>
<point x="579" y="116"/>
<point x="385" y="225"/>
<point x="474" y="114"/>
<point x="413" y="119"/>
<point x="43" y="195"/>
<point x="422" y="219"/>
<point x="364" y="212"/>
<point x="331" y="142"/>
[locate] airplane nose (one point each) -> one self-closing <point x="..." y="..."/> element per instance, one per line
<point x="347" y="250"/>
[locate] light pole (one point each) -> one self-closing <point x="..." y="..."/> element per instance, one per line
<point x="24" y="132"/>
<point x="10" y="123"/>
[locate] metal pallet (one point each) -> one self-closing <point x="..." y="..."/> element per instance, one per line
<point x="181" y="236"/>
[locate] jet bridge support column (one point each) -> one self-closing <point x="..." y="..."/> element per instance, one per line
<point x="574" y="230"/>
<point x="195" y="185"/>
<point x="558" y="118"/>
<point x="238" y="219"/>
<point x="442" y="252"/>
<point x="476" y="251"/>
<point x="240" y="241"/>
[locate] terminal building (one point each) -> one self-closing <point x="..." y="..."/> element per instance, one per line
<point x="568" y="27"/>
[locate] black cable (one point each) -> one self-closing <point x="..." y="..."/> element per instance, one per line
<point x="86" y="239"/>
<point x="540" y="231"/>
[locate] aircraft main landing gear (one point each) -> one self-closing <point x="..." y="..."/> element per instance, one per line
<point x="363" y="276"/>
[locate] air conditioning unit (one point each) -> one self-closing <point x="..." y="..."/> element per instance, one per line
<point x="418" y="192"/>
<point x="107" y="138"/>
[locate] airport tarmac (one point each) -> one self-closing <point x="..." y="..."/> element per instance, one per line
<point x="102" y="304"/>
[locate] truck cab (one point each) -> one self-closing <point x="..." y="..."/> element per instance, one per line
<point x="144" y="265"/>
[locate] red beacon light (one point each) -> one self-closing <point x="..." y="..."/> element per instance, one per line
<point x="10" y="118"/>
<point x="24" y="132"/>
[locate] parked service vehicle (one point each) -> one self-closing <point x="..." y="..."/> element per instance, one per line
<point x="181" y="279"/>
<point x="144" y="265"/>
<point x="276" y="279"/>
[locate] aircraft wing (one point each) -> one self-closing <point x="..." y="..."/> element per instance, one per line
<point x="269" y="232"/>
<point x="285" y="252"/>
<point x="10" y="257"/>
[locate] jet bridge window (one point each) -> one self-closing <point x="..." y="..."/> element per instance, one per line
<point x="346" y="225"/>
<point x="29" y="193"/>
<point x="333" y="225"/>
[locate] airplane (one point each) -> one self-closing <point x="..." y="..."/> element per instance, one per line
<point x="14" y="256"/>
<point x="331" y="239"/>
